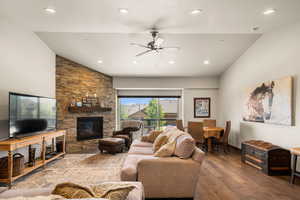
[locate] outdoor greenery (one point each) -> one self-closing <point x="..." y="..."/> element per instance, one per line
<point x="152" y="111"/>
<point x="155" y="111"/>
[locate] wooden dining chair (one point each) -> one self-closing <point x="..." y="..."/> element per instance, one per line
<point x="195" y="129"/>
<point x="179" y="124"/>
<point x="223" y="141"/>
<point x="209" y="123"/>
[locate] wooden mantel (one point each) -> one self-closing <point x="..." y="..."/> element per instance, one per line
<point x="93" y="109"/>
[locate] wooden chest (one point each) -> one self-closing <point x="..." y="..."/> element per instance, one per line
<point x="271" y="159"/>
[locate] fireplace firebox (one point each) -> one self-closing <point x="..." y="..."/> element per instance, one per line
<point x="89" y="128"/>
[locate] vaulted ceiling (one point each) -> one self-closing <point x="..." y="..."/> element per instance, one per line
<point x="88" y="31"/>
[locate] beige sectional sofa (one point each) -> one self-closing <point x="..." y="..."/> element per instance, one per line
<point x="162" y="177"/>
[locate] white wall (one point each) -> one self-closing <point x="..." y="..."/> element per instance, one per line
<point x="148" y="92"/>
<point x="165" y="82"/>
<point x="188" y="101"/>
<point x="27" y="65"/>
<point x="274" y="55"/>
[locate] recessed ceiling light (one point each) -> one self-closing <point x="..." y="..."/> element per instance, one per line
<point x="50" y="10"/>
<point x="100" y="61"/>
<point x="134" y="62"/>
<point x="206" y="62"/>
<point x="123" y="11"/>
<point x="171" y="62"/>
<point x="269" y="11"/>
<point x="196" y="12"/>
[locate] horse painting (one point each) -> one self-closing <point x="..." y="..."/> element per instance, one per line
<point x="270" y="102"/>
<point x="260" y="103"/>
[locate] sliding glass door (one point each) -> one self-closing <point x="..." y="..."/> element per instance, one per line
<point x="155" y="112"/>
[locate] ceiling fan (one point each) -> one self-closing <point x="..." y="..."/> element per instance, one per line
<point x="154" y="45"/>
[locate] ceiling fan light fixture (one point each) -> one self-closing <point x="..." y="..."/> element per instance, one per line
<point x="159" y="41"/>
<point x="100" y="61"/>
<point x="171" y="62"/>
<point x="50" y="10"/>
<point x="269" y="11"/>
<point x="134" y="62"/>
<point x="155" y="45"/>
<point x="123" y="11"/>
<point x="196" y="11"/>
<point x="206" y="62"/>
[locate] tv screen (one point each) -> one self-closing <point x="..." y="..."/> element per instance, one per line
<point x="30" y="114"/>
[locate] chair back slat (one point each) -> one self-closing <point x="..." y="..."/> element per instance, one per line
<point x="209" y="123"/>
<point x="179" y="124"/>
<point x="227" y="132"/>
<point x="195" y="129"/>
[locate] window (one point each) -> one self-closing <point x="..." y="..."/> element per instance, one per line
<point x="155" y="112"/>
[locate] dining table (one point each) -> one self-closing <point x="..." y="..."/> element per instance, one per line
<point x="210" y="133"/>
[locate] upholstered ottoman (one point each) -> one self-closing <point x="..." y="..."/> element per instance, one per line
<point x="126" y="139"/>
<point x="111" y="145"/>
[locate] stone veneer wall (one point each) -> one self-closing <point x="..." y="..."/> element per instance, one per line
<point x="75" y="80"/>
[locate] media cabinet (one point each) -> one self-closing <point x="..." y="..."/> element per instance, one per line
<point x="11" y="145"/>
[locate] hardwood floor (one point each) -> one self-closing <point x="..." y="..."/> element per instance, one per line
<point x="224" y="176"/>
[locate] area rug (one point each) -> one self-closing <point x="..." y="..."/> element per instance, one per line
<point x="77" y="168"/>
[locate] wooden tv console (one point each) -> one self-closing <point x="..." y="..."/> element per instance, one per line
<point x="11" y="145"/>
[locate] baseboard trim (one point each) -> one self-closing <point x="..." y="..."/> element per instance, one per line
<point x="234" y="147"/>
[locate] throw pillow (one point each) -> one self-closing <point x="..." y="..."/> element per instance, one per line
<point x="166" y="150"/>
<point x="145" y="138"/>
<point x="113" y="191"/>
<point x="153" y="135"/>
<point x="161" y="140"/>
<point x="185" y="146"/>
<point x="73" y="191"/>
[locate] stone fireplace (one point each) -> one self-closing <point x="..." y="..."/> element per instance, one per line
<point x="89" y="128"/>
<point x="75" y="81"/>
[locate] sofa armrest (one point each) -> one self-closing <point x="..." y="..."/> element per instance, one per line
<point x="198" y="155"/>
<point x="168" y="177"/>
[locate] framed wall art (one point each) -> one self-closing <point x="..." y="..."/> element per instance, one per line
<point x="270" y="102"/>
<point x="202" y="107"/>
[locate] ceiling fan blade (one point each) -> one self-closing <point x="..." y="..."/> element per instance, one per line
<point x="140" y="54"/>
<point x="175" y="48"/>
<point x="139" y="45"/>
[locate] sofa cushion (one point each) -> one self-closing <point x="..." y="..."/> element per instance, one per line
<point x="141" y="150"/>
<point x="129" y="169"/>
<point x="138" y="143"/>
<point x="185" y="146"/>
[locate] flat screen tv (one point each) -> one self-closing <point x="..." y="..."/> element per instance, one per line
<point x="30" y="114"/>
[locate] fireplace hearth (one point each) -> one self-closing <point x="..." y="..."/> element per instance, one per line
<point x="89" y="128"/>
